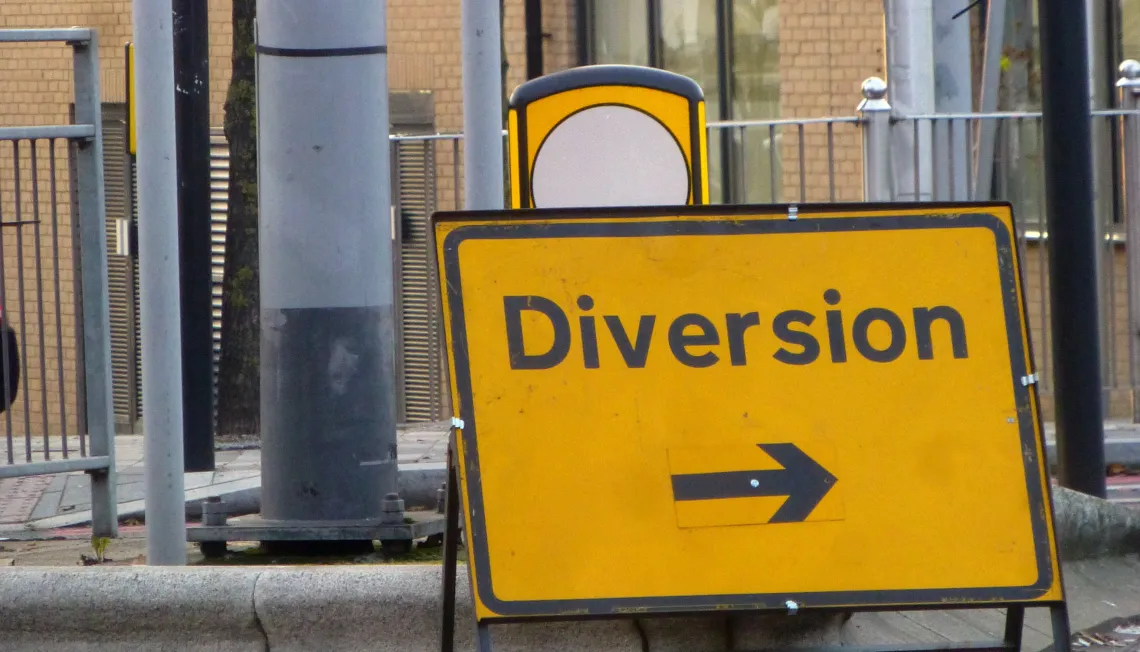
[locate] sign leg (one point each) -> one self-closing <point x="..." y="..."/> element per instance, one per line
<point x="1062" y="636"/>
<point x="450" y="556"/>
<point x="483" y="637"/>
<point x="1014" y="624"/>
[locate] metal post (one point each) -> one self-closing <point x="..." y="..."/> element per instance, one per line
<point x="876" y="141"/>
<point x="991" y="76"/>
<point x="534" y="64"/>
<point x="953" y="92"/>
<point x="159" y="283"/>
<point x="482" y="106"/>
<point x="910" y="67"/>
<point x="1129" y="86"/>
<point x="192" y="110"/>
<point x="96" y="295"/>
<point x="1072" y="232"/>
<point x="328" y="395"/>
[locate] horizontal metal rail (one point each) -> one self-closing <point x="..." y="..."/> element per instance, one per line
<point x="68" y="35"/>
<point x="70" y="132"/>
<point x="787" y="122"/>
<point x="1008" y="115"/>
<point x="56" y="466"/>
<point x="427" y="137"/>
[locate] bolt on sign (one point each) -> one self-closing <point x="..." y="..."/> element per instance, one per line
<point x="608" y="135"/>
<point x="693" y="408"/>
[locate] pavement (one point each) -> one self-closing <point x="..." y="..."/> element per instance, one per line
<point x="64" y="500"/>
<point x="42" y="503"/>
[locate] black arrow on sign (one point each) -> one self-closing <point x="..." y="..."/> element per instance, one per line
<point x="802" y="480"/>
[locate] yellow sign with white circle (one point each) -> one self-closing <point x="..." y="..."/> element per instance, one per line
<point x="608" y="135"/>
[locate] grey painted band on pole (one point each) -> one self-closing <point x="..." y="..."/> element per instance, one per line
<point x="483" y="95"/>
<point x="328" y="399"/>
<point x="159" y="281"/>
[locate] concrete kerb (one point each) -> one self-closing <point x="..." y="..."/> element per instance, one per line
<point x="1089" y="527"/>
<point x="394" y="607"/>
<point x="129" y="609"/>
<point x="378" y="608"/>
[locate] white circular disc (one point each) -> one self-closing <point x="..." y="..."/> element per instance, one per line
<point x="609" y="156"/>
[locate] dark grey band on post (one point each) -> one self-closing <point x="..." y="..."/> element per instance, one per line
<point x="322" y="52"/>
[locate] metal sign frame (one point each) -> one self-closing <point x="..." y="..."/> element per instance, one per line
<point x="1048" y="591"/>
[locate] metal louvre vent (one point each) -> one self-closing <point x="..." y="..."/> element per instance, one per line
<point x="120" y="269"/>
<point x="138" y="392"/>
<point x="419" y="324"/>
<point x="219" y="207"/>
<point x="420" y="354"/>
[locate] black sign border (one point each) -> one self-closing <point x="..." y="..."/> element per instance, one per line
<point x="755" y="220"/>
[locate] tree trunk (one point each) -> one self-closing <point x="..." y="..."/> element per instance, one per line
<point x="239" y="366"/>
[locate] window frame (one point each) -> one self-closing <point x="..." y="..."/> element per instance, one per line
<point x="725" y="45"/>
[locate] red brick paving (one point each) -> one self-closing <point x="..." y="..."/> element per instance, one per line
<point x="20" y="497"/>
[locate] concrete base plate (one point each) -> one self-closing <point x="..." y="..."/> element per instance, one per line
<point x="255" y="528"/>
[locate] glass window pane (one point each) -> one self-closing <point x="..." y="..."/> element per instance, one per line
<point x="689" y="44"/>
<point x="621" y="32"/>
<point x="689" y="47"/>
<point x="756" y="60"/>
<point x="756" y="96"/>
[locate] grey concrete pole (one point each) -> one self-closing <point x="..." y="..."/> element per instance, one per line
<point x="953" y="93"/>
<point x="482" y="106"/>
<point x="158" y="280"/>
<point x="991" y="76"/>
<point x="910" y="69"/>
<point x="328" y="399"/>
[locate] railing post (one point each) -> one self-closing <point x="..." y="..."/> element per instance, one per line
<point x="96" y="297"/>
<point x="876" y="141"/>
<point x="1129" y="86"/>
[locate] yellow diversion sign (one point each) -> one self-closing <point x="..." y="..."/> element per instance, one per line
<point x="717" y="407"/>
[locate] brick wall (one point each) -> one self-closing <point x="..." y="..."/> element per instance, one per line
<point x="424" y="47"/>
<point x="36" y="88"/>
<point x="827" y="49"/>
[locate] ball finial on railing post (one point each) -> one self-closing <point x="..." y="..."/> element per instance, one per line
<point x="1129" y="84"/>
<point x="876" y="119"/>
<point x="1130" y="69"/>
<point x="874" y="88"/>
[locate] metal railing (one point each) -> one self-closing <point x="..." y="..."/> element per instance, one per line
<point x="932" y="157"/>
<point x="54" y="290"/>
<point x="875" y="155"/>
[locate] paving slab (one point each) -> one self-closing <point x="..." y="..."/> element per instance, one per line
<point x="19" y="496"/>
<point x="48" y="505"/>
<point x="64" y="500"/>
